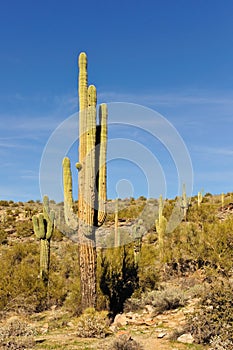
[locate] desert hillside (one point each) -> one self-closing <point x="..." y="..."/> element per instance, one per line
<point x="169" y="290"/>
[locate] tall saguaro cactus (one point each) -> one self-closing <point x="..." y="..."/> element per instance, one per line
<point x="92" y="182"/>
<point x="43" y="226"/>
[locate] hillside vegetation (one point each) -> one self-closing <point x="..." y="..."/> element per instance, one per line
<point x="194" y="268"/>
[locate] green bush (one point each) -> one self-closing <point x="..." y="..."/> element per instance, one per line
<point x="214" y="316"/>
<point x="162" y="300"/>
<point x="24" y="228"/>
<point x="118" y="277"/>
<point x="3" y="237"/>
<point x="20" y="287"/>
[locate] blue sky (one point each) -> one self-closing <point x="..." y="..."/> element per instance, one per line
<point x="175" y="57"/>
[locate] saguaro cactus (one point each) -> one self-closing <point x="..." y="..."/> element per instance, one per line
<point x="138" y="231"/>
<point x="185" y="204"/>
<point x="222" y="199"/>
<point x="117" y="233"/>
<point x="199" y="198"/>
<point x="161" y="225"/>
<point x="92" y="183"/>
<point x="43" y="226"/>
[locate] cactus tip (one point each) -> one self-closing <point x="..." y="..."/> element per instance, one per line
<point x="82" y="59"/>
<point x="66" y="161"/>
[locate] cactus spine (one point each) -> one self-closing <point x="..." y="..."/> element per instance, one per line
<point x="92" y="183"/>
<point x="161" y="225"/>
<point x="43" y="226"/>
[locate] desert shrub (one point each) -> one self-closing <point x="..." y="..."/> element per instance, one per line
<point x="24" y="228"/>
<point x="16" y="334"/>
<point x="214" y="316"/>
<point x="118" y="277"/>
<point x="64" y="278"/>
<point x="57" y="235"/>
<point x="125" y="342"/>
<point x="217" y="343"/>
<point x="147" y="273"/>
<point x="3" y="237"/>
<point x="131" y="211"/>
<point x="162" y="300"/>
<point x="92" y="324"/>
<point x="20" y="287"/>
<point x="4" y="203"/>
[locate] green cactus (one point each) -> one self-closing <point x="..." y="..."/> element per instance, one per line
<point x="91" y="183"/>
<point x="117" y="232"/>
<point x="222" y="199"/>
<point x="137" y="238"/>
<point x="199" y="198"/>
<point x="185" y="204"/>
<point x="43" y="226"/>
<point x="161" y="225"/>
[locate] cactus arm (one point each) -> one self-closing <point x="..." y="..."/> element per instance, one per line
<point x="102" y="181"/>
<point x="70" y="217"/>
<point x="50" y="225"/>
<point x="36" y="227"/>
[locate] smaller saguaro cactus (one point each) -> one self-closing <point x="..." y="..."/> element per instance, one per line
<point x="161" y="225"/>
<point x="117" y="233"/>
<point x="43" y="226"/>
<point x="199" y="198"/>
<point x="222" y="199"/>
<point x="138" y="231"/>
<point x="185" y="204"/>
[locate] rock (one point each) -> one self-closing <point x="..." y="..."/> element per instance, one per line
<point x="161" y="335"/>
<point x="113" y="328"/>
<point x="45" y="328"/>
<point x="70" y="324"/>
<point x="120" y="320"/>
<point x="186" y="338"/>
<point x="150" y="309"/>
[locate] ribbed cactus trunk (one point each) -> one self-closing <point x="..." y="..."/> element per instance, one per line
<point x="199" y="198"/>
<point x="92" y="183"/>
<point x="44" y="259"/>
<point x="161" y="225"/>
<point x="137" y="237"/>
<point x="117" y="234"/>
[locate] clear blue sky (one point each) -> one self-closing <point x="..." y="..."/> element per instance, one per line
<point x="175" y="57"/>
